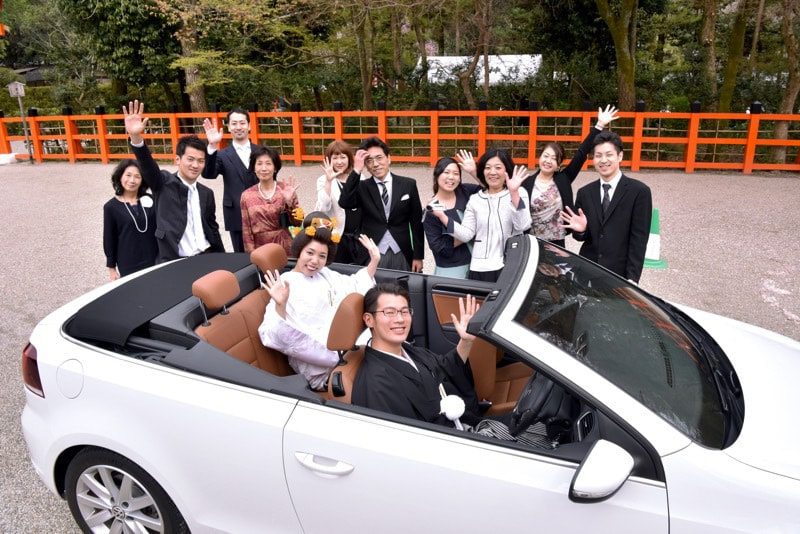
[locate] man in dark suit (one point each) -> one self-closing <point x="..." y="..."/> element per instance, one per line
<point x="401" y="379"/>
<point x="186" y="221"/>
<point x="390" y="207"/>
<point x="613" y="213"/>
<point x="232" y="163"/>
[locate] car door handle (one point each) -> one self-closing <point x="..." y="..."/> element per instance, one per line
<point x="323" y="466"/>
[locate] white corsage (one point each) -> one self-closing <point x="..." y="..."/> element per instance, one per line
<point x="146" y="201"/>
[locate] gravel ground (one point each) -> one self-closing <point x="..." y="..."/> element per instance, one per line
<point x="728" y="251"/>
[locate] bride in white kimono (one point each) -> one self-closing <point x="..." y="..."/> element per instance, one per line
<point x="297" y="322"/>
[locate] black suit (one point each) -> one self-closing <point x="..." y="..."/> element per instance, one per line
<point x="171" y="196"/>
<point x="617" y="241"/>
<point x="390" y="385"/>
<point x="405" y="212"/>
<point x="236" y="179"/>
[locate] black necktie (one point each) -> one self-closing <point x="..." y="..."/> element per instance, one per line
<point x="606" y="199"/>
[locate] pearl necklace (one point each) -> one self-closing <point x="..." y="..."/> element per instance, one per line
<point x="136" y="224"/>
<point x="261" y="193"/>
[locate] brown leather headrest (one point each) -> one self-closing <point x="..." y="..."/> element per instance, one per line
<point x="216" y="289"/>
<point x="269" y="257"/>
<point x="347" y="323"/>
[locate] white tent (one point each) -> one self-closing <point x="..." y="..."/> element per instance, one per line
<point x="502" y="69"/>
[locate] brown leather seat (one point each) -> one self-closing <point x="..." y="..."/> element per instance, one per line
<point x="501" y="386"/>
<point x="234" y="329"/>
<point x="347" y="325"/>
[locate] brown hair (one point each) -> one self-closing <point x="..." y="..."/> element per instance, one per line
<point x="341" y="147"/>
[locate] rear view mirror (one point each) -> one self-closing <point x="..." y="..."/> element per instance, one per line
<point x="606" y="467"/>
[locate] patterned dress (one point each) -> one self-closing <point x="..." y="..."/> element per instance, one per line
<point x="545" y="209"/>
<point x="261" y="219"/>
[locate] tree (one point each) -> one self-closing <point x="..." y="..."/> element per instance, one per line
<point x="707" y="38"/>
<point x="735" y="56"/>
<point x="132" y="41"/>
<point x="790" y="27"/>
<point x="621" y="20"/>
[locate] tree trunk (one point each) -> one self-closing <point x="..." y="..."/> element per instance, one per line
<point x="422" y="94"/>
<point x="194" y="85"/>
<point x="486" y="24"/>
<point x="397" y="52"/>
<point x="706" y="39"/>
<point x="791" y="13"/>
<point x="756" y="34"/>
<point x="735" y="55"/>
<point x="622" y="26"/>
<point x="364" y="56"/>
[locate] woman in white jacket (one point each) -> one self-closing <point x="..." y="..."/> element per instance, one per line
<point x="493" y="214"/>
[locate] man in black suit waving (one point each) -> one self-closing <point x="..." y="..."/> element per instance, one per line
<point x="390" y="207"/>
<point x="613" y="213"/>
<point x="186" y="217"/>
<point x="232" y="163"/>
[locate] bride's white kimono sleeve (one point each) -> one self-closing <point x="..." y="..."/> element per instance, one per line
<point x="309" y="313"/>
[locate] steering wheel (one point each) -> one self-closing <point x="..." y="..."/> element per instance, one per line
<point x="541" y="400"/>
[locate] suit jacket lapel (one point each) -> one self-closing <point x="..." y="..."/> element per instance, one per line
<point x="597" y="205"/>
<point x="375" y="193"/>
<point x="622" y="188"/>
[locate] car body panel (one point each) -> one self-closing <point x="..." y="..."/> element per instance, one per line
<point x="413" y="480"/>
<point x="762" y="360"/>
<point x="194" y="435"/>
<point x="711" y="493"/>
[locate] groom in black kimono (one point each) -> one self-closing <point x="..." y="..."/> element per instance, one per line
<point x="401" y="379"/>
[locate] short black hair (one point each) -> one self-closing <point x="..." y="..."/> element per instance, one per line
<point x="384" y="288"/>
<point x="190" y="141"/>
<point x="262" y="150"/>
<point x="372" y="141"/>
<point x="240" y="111"/>
<point x="441" y="165"/>
<point x="119" y="170"/>
<point x="500" y="153"/>
<point x="607" y="136"/>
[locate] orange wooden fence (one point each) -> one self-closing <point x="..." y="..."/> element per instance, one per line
<point x="659" y="140"/>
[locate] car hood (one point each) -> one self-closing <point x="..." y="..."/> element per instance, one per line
<point x="768" y="367"/>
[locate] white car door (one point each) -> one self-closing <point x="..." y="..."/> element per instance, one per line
<point x="354" y="473"/>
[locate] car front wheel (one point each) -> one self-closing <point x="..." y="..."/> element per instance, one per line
<point x="107" y="492"/>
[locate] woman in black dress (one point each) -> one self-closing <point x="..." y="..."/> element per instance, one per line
<point x="129" y="223"/>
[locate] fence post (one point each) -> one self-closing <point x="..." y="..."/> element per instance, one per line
<point x="5" y="145"/>
<point x="434" y="128"/>
<point x="71" y="132"/>
<point x="482" y="107"/>
<point x="691" y="145"/>
<point x="297" y="134"/>
<point x="36" y="143"/>
<point x="174" y="130"/>
<point x="338" y="120"/>
<point x="638" y="133"/>
<point x="752" y="137"/>
<point x="102" y="139"/>
<point x="533" y="123"/>
<point x="383" y="122"/>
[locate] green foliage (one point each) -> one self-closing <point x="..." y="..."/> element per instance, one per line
<point x="306" y="51"/>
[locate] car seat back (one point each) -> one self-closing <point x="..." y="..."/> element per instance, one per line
<point x="234" y="329"/>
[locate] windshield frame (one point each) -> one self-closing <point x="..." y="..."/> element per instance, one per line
<point x="705" y="417"/>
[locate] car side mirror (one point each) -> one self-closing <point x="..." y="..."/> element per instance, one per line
<point x="603" y="471"/>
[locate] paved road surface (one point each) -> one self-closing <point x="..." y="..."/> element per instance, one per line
<point x="730" y="242"/>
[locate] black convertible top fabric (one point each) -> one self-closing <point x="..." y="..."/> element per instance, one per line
<point x="114" y="316"/>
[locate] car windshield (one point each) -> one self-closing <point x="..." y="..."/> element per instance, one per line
<point x="625" y="336"/>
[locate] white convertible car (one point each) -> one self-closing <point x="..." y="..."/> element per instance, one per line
<point x="151" y="406"/>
